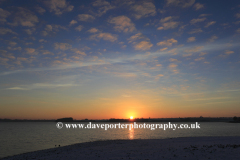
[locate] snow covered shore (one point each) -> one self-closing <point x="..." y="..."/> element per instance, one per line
<point x="220" y="148"/>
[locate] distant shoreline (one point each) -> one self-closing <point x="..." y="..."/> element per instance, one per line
<point x="189" y="119"/>
<point x="174" y="148"/>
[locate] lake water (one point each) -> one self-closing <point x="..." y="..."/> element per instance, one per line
<point x="21" y="137"/>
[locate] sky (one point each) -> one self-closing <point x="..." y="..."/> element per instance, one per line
<point x="101" y="59"/>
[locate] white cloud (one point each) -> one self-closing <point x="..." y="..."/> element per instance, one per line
<point x="198" y="6"/>
<point x="17" y="88"/>
<point x="238" y="30"/>
<point x="227" y="52"/>
<point x="3" y="15"/>
<point x="166" y="19"/>
<point x="105" y="36"/>
<point x="77" y="51"/>
<point x="62" y="46"/>
<point x="93" y="30"/>
<point x="8" y="55"/>
<point x="136" y="37"/>
<point x="6" y="30"/>
<point x="237" y="15"/>
<point x="145" y="9"/>
<point x="187" y="55"/>
<point x="191" y="39"/>
<point x="28" y="43"/>
<point x="14" y="49"/>
<point x="85" y="17"/>
<point x="168" y="23"/>
<point x="194" y="49"/>
<point x="31" y="51"/>
<point x="30" y="31"/>
<point x="11" y="43"/>
<point x="24" y="17"/>
<point x="202" y="53"/>
<point x="3" y="61"/>
<point x="42" y="85"/>
<point x="193" y="21"/>
<point x="103" y="6"/>
<point x="173" y="67"/>
<point x="210" y="23"/>
<point x="197" y="30"/>
<point x="58" y="6"/>
<point x="57" y="27"/>
<point x="23" y="59"/>
<point x="126" y="75"/>
<point x="143" y="45"/>
<point x="52" y="28"/>
<point x="79" y="28"/>
<point x="44" y="33"/>
<point x="48" y="27"/>
<point x="180" y="3"/>
<point x="174" y="60"/>
<point x="204" y="15"/>
<point x="122" y="23"/>
<point x="199" y="59"/>
<point x="72" y="22"/>
<point x="212" y="39"/>
<point x="46" y="52"/>
<point x="163" y="49"/>
<point x="168" y="42"/>
<point x="40" y="10"/>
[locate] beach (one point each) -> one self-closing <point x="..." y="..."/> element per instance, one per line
<point x="174" y="148"/>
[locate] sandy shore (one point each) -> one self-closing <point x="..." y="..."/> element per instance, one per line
<point x="220" y="148"/>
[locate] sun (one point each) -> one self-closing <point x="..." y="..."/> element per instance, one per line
<point x="131" y="117"/>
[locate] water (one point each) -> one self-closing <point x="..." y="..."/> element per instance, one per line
<point x="21" y="137"/>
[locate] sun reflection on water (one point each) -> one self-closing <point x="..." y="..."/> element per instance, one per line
<point x="131" y="133"/>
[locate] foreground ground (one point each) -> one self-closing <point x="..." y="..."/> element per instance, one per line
<point x="220" y="148"/>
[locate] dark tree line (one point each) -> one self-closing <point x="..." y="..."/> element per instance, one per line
<point x="236" y="118"/>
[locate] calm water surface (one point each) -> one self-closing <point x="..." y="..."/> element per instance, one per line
<point x="21" y="137"/>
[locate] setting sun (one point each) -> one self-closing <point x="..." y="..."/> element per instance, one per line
<point x="131" y="117"/>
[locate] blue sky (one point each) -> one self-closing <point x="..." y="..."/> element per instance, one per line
<point x="104" y="59"/>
